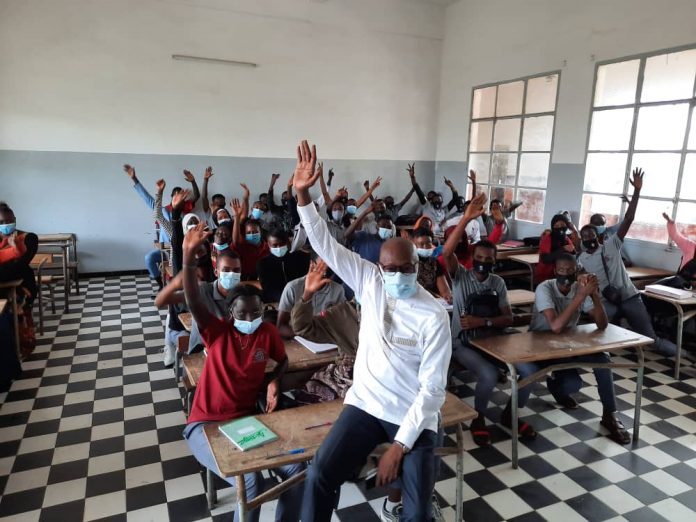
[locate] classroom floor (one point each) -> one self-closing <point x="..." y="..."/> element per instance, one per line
<point x="93" y="430"/>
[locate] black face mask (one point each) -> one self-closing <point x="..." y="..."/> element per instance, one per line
<point x="560" y="232"/>
<point x="389" y="204"/>
<point x="437" y="205"/>
<point x="590" y="244"/>
<point x="483" y="268"/>
<point x="566" y="280"/>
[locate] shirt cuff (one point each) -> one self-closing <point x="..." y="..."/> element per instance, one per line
<point x="407" y="436"/>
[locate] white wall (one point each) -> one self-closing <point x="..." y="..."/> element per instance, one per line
<point x="496" y="40"/>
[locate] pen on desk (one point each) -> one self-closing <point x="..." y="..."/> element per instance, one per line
<point x="289" y="452"/>
<point x="318" y="425"/>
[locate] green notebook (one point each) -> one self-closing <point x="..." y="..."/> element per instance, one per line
<point x="247" y="433"/>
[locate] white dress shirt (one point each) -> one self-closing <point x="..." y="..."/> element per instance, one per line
<point x="404" y="346"/>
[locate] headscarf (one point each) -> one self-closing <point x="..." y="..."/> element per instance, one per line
<point x="185" y="221"/>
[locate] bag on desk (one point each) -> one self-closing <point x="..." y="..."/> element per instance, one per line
<point x="481" y="304"/>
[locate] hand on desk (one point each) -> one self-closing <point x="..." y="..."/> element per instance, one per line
<point x="389" y="465"/>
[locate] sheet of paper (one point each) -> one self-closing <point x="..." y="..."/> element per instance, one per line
<point x="315" y="347"/>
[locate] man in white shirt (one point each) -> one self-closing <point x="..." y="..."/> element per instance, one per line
<point x="400" y="373"/>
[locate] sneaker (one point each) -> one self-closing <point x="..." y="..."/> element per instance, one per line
<point x="169" y="354"/>
<point x="391" y="516"/>
<point x="437" y="512"/>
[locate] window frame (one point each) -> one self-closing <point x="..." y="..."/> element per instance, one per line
<point x="631" y="151"/>
<point x="522" y="117"/>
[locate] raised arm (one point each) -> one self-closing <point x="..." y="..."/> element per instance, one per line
<point x="271" y="199"/>
<point x="195" y="238"/>
<point x="369" y="192"/>
<point x="239" y="216"/>
<point x="346" y="264"/>
<point x="411" y="169"/>
<point x="406" y="198"/>
<point x="630" y="215"/>
<point x="157" y="211"/>
<point x="472" y="178"/>
<point x="366" y="184"/>
<point x="357" y="223"/>
<point x="142" y="192"/>
<point x="245" y="200"/>
<point x="322" y="185"/>
<point x="177" y="231"/>
<point x="302" y="318"/>
<point x="206" y="177"/>
<point x="473" y="210"/>
<point x="172" y="293"/>
<point x="194" y="186"/>
<point x="455" y="195"/>
<point x="683" y="243"/>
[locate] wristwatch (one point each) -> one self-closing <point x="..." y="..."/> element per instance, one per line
<point x="489" y="323"/>
<point x="403" y="447"/>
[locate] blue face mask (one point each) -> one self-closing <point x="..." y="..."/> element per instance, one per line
<point x="228" y="280"/>
<point x="7" y="228"/>
<point x="601" y="230"/>
<point x="254" y="239"/>
<point x="399" y="285"/>
<point x="425" y="252"/>
<point x="221" y="247"/>
<point x="256" y="213"/>
<point x="279" y="251"/>
<point x="385" y="233"/>
<point x="247" y="327"/>
<point x="351" y="209"/>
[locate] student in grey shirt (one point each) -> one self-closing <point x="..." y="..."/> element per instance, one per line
<point x="558" y="303"/>
<point x="629" y="305"/>
<point x="330" y="294"/>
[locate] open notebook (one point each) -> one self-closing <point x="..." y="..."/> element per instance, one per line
<point x="315" y="347"/>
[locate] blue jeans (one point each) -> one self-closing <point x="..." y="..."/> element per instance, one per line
<point x="562" y="383"/>
<point x="152" y="261"/>
<point x="487" y="373"/>
<point x="289" y="503"/>
<point x="351" y="439"/>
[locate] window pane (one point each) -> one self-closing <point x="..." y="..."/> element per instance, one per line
<point x="688" y="182"/>
<point x="616" y="83"/>
<point x="481" y="136"/>
<point x="537" y="133"/>
<point x="686" y="220"/>
<point x="669" y="76"/>
<point x="507" y="134"/>
<point x="541" y="94"/>
<point x="611" y="129"/>
<point x="481" y="164"/>
<point x="484" y="103"/>
<point x="610" y="206"/>
<point x="533" y="207"/>
<point x="605" y="172"/>
<point x="504" y="169"/>
<point x="504" y="194"/>
<point x="509" y="99"/>
<point x="692" y="133"/>
<point x="649" y="224"/>
<point x="661" y="127"/>
<point x="534" y="170"/>
<point x="661" y="172"/>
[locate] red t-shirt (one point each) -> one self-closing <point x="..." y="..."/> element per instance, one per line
<point x="187" y="207"/>
<point x="544" y="271"/>
<point x="250" y="255"/>
<point x="234" y="370"/>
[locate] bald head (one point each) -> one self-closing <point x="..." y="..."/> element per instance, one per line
<point x="397" y="251"/>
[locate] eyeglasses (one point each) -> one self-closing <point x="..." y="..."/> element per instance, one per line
<point x="408" y="268"/>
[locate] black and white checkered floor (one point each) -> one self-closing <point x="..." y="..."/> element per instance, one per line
<point x="93" y="431"/>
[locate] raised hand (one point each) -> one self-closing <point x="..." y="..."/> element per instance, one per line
<point x="196" y="237"/>
<point x="343" y="191"/>
<point x="237" y="209"/>
<point x="188" y="176"/>
<point x="472" y="176"/>
<point x="208" y="173"/>
<point x="179" y="198"/>
<point x="476" y="207"/>
<point x="160" y="184"/>
<point x="331" y="174"/>
<point x="305" y="176"/>
<point x="275" y="177"/>
<point x="315" y="279"/>
<point x="411" y="169"/>
<point x="130" y="171"/>
<point x="669" y="219"/>
<point x="245" y="189"/>
<point x="366" y="184"/>
<point x="637" y="180"/>
<point x="448" y="182"/>
<point x="377" y="182"/>
<point x="497" y="215"/>
<point x="320" y="168"/>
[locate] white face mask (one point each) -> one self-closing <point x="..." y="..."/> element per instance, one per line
<point x="425" y="252"/>
<point x="385" y="233"/>
<point x="337" y="215"/>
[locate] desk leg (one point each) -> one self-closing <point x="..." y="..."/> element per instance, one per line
<point x="241" y="498"/>
<point x="460" y="472"/>
<point x="639" y="395"/>
<point x="66" y="278"/>
<point x="15" y="321"/>
<point x="680" y="330"/>
<point x="513" y="411"/>
<point x="210" y="486"/>
<point x="531" y="277"/>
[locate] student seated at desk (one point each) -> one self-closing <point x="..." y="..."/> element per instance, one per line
<point x="552" y="245"/>
<point x="238" y="349"/>
<point x="282" y="266"/>
<point x="481" y="308"/>
<point x="431" y="276"/>
<point x="251" y="247"/>
<point x="328" y="295"/>
<point x="620" y="297"/>
<point x="557" y="306"/>
<point x="222" y="243"/>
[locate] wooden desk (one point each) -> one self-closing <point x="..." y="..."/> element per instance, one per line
<point x="505" y="252"/>
<point x="544" y="346"/>
<point x="290" y="426"/>
<point x="682" y="316"/>
<point x="530" y="260"/>
<point x="186" y="320"/>
<point x="41" y="258"/>
<point x="11" y="287"/>
<point x="520" y="297"/>
<point x="639" y="272"/>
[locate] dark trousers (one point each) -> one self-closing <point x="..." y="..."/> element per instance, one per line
<point x="350" y="441"/>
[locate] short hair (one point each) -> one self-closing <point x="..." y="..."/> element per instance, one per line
<point x="279" y="233"/>
<point x="484" y="243"/>
<point x="216" y="196"/>
<point x="383" y="217"/>
<point x="228" y="254"/>
<point x="597" y="217"/>
<point x="588" y="227"/>
<point x="495" y="200"/>
<point x="567" y="257"/>
<point x="263" y="195"/>
<point x="422" y="232"/>
<point x="244" y="290"/>
<point x="336" y="201"/>
<point x="251" y="221"/>
<point x="4" y="207"/>
<point x="176" y="190"/>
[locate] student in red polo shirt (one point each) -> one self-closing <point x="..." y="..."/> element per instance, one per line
<point x="248" y="241"/>
<point x="234" y="373"/>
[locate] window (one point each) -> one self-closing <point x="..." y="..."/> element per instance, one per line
<point x="510" y="141"/>
<point x="643" y="116"/>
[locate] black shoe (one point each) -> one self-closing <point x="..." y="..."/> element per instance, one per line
<point x="617" y="431"/>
